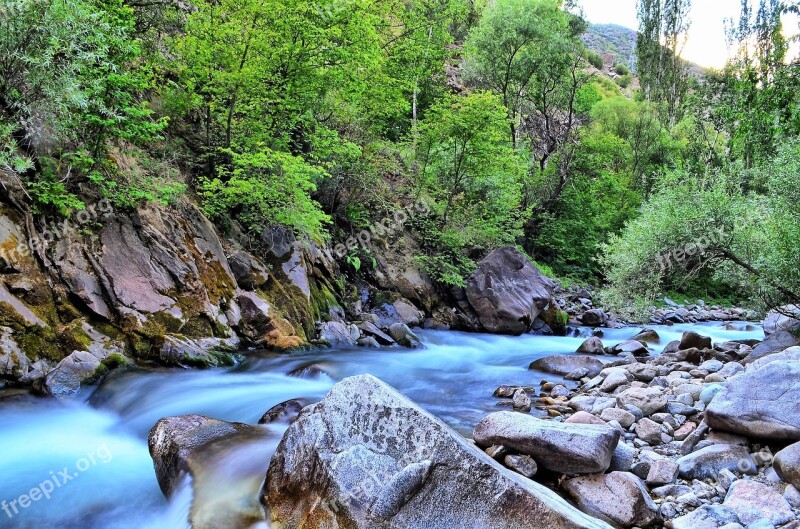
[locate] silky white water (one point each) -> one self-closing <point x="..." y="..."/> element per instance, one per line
<point x="96" y="448"/>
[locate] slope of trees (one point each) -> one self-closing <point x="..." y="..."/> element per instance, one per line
<point x="328" y="116"/>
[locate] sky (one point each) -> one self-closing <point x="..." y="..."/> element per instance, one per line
<point x="705" y="45"/>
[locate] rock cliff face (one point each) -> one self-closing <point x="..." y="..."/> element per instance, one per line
<point x="155" y="284"/>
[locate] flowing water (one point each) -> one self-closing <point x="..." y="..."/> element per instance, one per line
<point x="93" y="452"/>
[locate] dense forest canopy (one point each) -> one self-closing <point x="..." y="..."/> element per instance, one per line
<point x="327" y="116"/>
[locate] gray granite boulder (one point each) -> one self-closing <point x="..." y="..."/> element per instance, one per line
<point x="559" y="447"/>
<point x="508" y="292"/>
<point x="367" y="457"/>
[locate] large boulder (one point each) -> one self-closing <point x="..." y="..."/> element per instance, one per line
<point x="508" y="292"/>
<point x="594" y="318"/>
<point x="560" y="447"/>
<point x="787" y="318"/>
<point x="762" y="403"/>
<point x="753" y="501"/>
<point x="619" y="498"/>
<point x="367" y="457"/>
<point x="566" y="364"/>
<point x="693" y="340"/>
<point x="226" y="463"/>
<point x="779" y="341"/>
<point x="708" y="462"/>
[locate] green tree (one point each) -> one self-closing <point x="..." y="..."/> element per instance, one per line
<point x="520" y="48"/>
<point x="663" y="74"/>
<point x="471" y="175"/>
<point x="71" y="81"/>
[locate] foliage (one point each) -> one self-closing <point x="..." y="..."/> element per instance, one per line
<point x="663" y="26"/>
<point x="70" y="83"/>
<point x="594" y="59"/>
<point x="471" y="174"/>
<point x="520" y="47"/>
<point x="715" y="228"/>
<point x="267" y="185"/>
<point x="621" y="69"/>
<point x="624" y="81"/>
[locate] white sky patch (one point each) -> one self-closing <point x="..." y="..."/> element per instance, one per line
<point x="706" y="44"/>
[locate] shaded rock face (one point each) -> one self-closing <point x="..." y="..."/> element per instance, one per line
<point x="559" y="447"/>
<point x="196" y="446"/>
<point x="396" y="270"/>
<point x="159" y="276"/>
<point x="508" y="292"/>
<point x="367" y="457"/>
<point x="619" y="498"/>
<point x="155" y="261"/>
<point x="761" y="403"/>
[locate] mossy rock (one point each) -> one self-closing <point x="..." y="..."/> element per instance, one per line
<point x="555" y="318"/>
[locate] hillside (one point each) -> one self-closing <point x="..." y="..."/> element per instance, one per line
<point x="610" y="39"/>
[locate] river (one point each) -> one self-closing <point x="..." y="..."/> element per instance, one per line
<point x="95" y="448"/>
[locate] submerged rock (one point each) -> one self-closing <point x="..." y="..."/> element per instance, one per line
<point x="367" y="457"/>
<point x="226" y="463"/>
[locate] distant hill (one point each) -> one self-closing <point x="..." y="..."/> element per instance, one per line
<point x="617" y="44"/>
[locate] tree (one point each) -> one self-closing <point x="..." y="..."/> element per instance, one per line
<point x="71" y="81"/>
<point x="471" y="175"/>
<point x="519" y="48"/>
<point x="714" y="227"/>
<point x="663" y="75"/>
<point x="755" y="100"/>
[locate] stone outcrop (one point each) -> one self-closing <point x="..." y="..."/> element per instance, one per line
<point x="196" y="446"/>
<point x="367" y="457"/>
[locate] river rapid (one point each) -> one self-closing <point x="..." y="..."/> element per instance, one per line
<point x="93" y="452"/>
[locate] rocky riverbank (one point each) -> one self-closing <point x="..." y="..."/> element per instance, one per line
<point x="162" y="286"/>
<point x="705" y="430"/>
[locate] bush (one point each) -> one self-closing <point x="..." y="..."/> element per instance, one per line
<point x="624" y="81"/>
<point x="594" y="59"/>
<point x="621" y="69"/>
